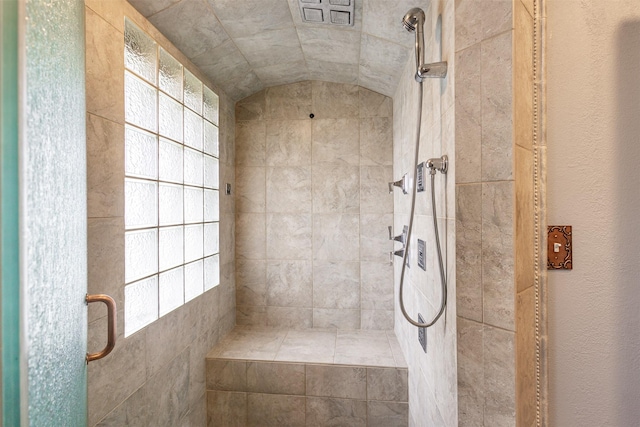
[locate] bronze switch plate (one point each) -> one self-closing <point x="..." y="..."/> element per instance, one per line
<point x="560" y="248"/>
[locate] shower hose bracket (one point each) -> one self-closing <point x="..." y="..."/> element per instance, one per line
<point x="438" y="164"/>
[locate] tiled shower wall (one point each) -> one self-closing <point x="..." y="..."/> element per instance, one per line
<point x="313" y="207"/>
<point x="432" y="376"/>
<point x="157" y="375"/>
<point x="495" y="208"/>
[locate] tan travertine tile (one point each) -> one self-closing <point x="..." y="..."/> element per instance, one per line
<point x="226" y="375"/>
<point x="105" y="168"/>
<point x="308" y="346"/>
<point x="497" y="109"/>
<point x="104" y="68"/>
<point x="289" y="317"/>
<point x="325" y="411"/>
<point x="250" y="343"/>
<point x="276" y="378"/>
<point x="398" y="355"/>
<point x="387" y="414"/>
<point x="499" y="376"/>
<point x="275" y="410"/>
<point x="337" y="381"/>
<point x="226" y="409"/>
<point x="387" y="384"/>
<point x="373" y="104"/>
<point x="289" y="143"/>
<point x="334" y="100"/>
<point x="469" y="251"/>
<point x="498" y="254"/>
<point x="360" y="347"/>
<point x="336" y="318"/>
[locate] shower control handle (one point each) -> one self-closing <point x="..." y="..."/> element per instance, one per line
<point x="401" y="183"/>
<point x="399" y="238"/>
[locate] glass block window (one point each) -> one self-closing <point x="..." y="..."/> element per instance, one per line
<point x="172" y="232"/>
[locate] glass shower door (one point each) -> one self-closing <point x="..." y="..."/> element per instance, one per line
<point x="48" y="275"/>
<point x="9" y="213"/>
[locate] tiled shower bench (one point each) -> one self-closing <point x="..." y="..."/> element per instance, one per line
<point x="276" y="377"/>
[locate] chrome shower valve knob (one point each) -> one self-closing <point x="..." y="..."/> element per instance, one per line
<point x="402" y="183"/>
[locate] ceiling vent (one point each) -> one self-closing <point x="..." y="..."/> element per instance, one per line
<point x="334" y="12"/>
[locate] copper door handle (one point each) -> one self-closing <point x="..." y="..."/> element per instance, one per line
<point x="111" y="320"/>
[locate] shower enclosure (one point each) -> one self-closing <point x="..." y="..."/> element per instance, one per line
<point x="490" y="177"/>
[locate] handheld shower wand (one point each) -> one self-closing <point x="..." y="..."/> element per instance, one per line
<point x="413" y="21"/>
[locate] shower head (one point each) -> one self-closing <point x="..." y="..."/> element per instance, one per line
<point x="412" y="18"/>
<point x="413" y="21"/>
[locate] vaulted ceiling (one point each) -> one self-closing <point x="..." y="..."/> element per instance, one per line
<point x="246" y="45"/>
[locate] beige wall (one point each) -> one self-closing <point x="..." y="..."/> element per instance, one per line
<point x="593" y="131"/>
<point x="433" y="393"/>
<point x="155" y="376"/>
<point x="313" y="207"/>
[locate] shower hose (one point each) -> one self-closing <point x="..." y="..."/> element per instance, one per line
<point x="443" y="279"/>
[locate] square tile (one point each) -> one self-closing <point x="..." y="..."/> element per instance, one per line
<point x="275" y="410"/>
<point x="336" y="237"/>
<point x="336" y="284"/>
<point x="289" y="189"/>
<point x="337" y="381"/>
<point x="324" y="411"/>
<point x="289" y="236"/>
<point x="308" y="346"/>
<point x="276" y="378"/>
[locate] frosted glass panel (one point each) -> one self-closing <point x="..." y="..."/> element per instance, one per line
<point x="171" y="247"/>
<point x="192" y="92"/>
<point x="211" y="139"/>
<point x="171" y="290"/>
<point x="53" y="215"/>
<point x="193" y="129"/>
<point x="171" y="158"/>
<point x="170" y="118"/>
<point x="192" y="242"/>
<point x="141" y="254"/>
<point x="211" y="272"/>
<point x="211" y="205"/>
<point x="141" y="150"/>
<point x="170" y="204"/>
<point x="166" y="172"/>
<point x="193" y="168"/>
<point x="211" y="105"/>
<point x="193" y="280"/>
<point x="140" y="103"/>
<point x="140" y="52"/>
<point x="211" y="173"/>
<point x="211" y="239"/>
<point x="140" y="304"/>
<point x="193" y="205"/>
<point x="170" y="75"/>
<point x="140" y="203"/>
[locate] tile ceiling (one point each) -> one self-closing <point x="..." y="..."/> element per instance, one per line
<point x="246" y="45"/>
